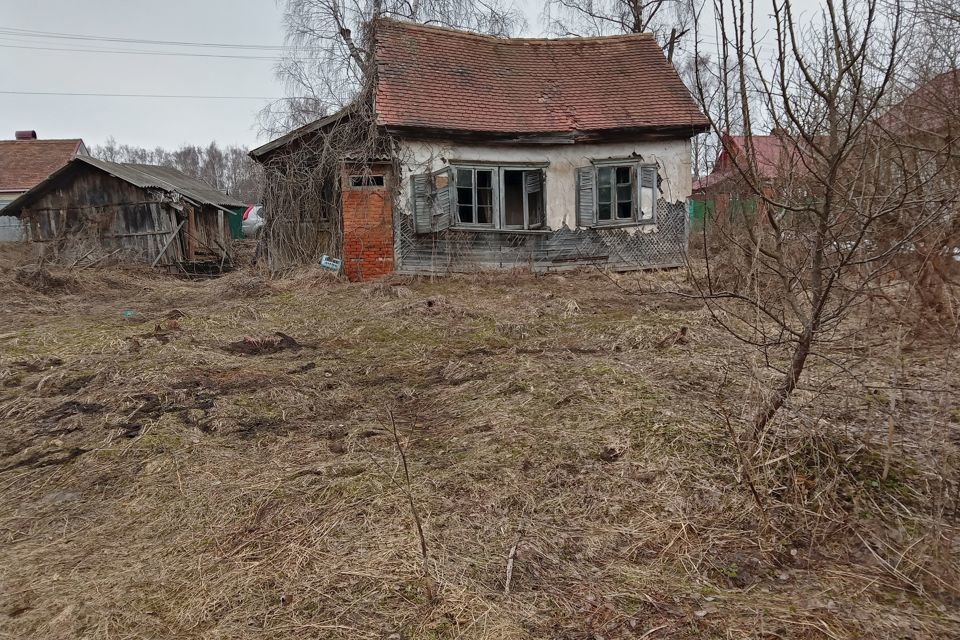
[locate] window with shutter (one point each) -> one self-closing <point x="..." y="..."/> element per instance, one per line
<point x="534" y="201"/>
<point x="616" y="193"/>
<point x="443" y="200"/>
<point x="420" y="188"/>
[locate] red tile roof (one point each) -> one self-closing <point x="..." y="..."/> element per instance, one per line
<point x="439" y="78"/>
<point x="774" y="154"/>
<point x="931" y="108"/>
<point x="25" y="163"/>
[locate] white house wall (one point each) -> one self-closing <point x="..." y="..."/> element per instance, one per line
<point x="672" y="158"/>
<point x="564" y="245"/>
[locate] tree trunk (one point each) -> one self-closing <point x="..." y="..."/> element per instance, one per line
<point x="786" y="387"/>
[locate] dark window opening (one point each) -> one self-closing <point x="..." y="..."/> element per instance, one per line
<point x="513" y="198"/>
<point x="615" y="199"/>
<point x="484" y="197"/>
<point x="475" y="196"/>
<point x="366" y="181"/>
<point x="465" y="196"/>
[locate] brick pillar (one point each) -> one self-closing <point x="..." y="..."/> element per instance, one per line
<point x="367" y="223"/>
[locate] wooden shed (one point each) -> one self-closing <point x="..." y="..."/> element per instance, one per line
<point x="159" y="215"/>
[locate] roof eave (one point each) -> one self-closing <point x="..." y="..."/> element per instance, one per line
<point x="677" y="130"/>
<point x="14" y="207"/>
<point x="260" y="153"/>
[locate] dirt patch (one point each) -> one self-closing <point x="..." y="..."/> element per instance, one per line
<point x="75" y="384"/>
<point x="224" y="381"/>
<point x="36" y="457"/>
<point x="40" y="279"/>
<point x="73" y="407"/>
<point x="263" y="345"/>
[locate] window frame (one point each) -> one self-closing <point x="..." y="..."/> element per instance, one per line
<point x="494" y="196"/>
<point x="367" y="180"/>
<point x="637" y="216"/>
<point x="502" y="213"/>
<point x="498" y="221"/>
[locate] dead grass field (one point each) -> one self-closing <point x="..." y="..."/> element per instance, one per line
<point x="163" y="477"/>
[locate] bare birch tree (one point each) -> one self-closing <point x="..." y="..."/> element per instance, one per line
<point x="330" y="46"/>
<point x="669" y="20"/>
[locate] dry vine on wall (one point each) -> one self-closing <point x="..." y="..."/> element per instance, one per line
<point x="303" y="219"/>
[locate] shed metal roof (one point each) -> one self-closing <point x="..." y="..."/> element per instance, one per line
<point x="145" y="176"/>
<point x="166" y="178"/>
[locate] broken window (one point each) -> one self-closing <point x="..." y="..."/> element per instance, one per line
<point x="647" y="209"/>
<point x="616" y="192"/>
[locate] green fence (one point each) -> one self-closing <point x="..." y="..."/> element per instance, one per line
<point x="236" y="222"/>
<point x="701" y="211"/>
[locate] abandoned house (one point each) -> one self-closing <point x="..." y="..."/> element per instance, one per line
<point x="24" y="162"/>
<point x="545" y="154"/>
<point x="91" y="208"/>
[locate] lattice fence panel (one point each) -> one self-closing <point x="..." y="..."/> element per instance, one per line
<point x="618" y="249"/>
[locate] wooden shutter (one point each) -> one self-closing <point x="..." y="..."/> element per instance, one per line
<point x="648" y="185"/>
<point x="586" y="197"/>
<point x="532" y="180"/>
<point x="443" y="200"/>
<point x="433" y="202"/>
<point x="420" y="188"/>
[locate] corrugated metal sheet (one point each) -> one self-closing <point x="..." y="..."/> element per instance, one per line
<point x="166" y="178"/>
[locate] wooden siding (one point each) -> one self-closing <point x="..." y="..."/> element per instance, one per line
<point x="91" y="211"/>
<point x="562" y="249"/>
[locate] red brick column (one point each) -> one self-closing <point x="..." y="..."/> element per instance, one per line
<point x="367" y="228"/>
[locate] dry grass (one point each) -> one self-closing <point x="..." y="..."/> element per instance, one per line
<point x="155" y="484"/>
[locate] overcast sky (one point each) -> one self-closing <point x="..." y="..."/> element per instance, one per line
<point x="140" y="121"/>
<point x="27" y="64"/>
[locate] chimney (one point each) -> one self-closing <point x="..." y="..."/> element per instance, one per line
<point x="26" y="135"/>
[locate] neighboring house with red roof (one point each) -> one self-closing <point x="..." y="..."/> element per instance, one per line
<point x="540" y="153"/>
<point x="25" y="162"/>
<point x="929" y="110"/>
<point x="918" y="139"/>
<point x="744" y="167"/>
<point x="771" y="154"/>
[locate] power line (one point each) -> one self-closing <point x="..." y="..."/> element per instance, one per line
<point x="151" y="53"/>
<point x="31" y="33"/>
<point x="136" y="95"/>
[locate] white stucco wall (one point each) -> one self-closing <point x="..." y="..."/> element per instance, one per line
<point x="672" y="157"/>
